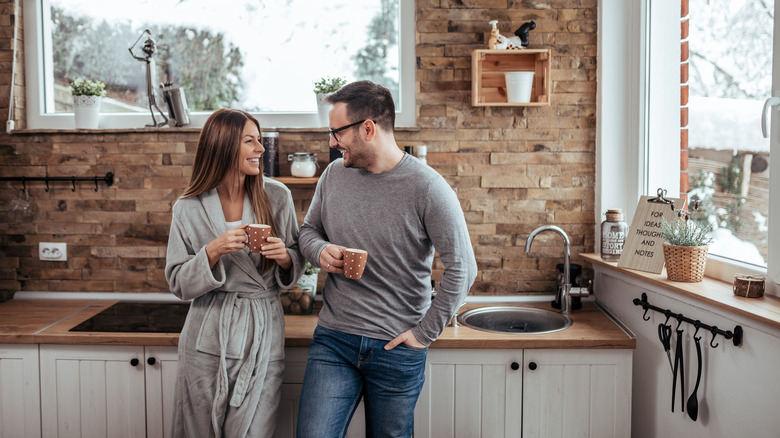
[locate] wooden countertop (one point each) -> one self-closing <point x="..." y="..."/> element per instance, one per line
<point x="592" y="328"/>
<point x="45" y="321"/>
<point x="21" y="320"/>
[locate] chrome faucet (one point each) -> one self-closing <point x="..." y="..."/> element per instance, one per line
<point x="454" y="320"/>
<point x="566" y="289"/>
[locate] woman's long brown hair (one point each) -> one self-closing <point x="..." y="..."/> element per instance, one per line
<point x="217" y="157"/>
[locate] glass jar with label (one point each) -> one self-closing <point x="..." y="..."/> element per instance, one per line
<point x="613" y="235"/>
<point x="271" y="153"/>
<point x="304" y="164"/>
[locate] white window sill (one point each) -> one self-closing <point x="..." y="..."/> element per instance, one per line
<point x="710" y="291"/>
<point x="178" y="130"/>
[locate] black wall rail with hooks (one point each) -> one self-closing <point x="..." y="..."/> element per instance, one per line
<point x="108" y="179"/>
<point x="735" y="336"/>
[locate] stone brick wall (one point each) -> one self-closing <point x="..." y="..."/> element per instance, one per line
<point x="514" y="168"/>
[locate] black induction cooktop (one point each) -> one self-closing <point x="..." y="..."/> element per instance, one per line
<point x="134" y="317"/>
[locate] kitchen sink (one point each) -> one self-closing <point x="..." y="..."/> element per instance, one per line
<point x="514" y="319"/>
<point x="137" y="317"/>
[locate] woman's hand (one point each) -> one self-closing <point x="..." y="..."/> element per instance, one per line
<point x="274" y="249"/>
<point x="228" y="242"/>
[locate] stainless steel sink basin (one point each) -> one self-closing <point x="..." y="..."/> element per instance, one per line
<point x="514" y="319"/>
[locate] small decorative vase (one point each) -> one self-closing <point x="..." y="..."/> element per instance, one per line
<point x="323" y="108"/>
<point x="685" y="263"/>
<point x="86" y="110"/>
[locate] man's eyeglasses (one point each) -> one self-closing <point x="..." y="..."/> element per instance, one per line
<point x="334" y="131"/>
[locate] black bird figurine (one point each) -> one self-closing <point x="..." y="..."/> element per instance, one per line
<point x="522" y="32"/>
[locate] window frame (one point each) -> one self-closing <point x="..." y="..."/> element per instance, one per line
<point x="638" y="132"/>
<point x="37" y="44"/>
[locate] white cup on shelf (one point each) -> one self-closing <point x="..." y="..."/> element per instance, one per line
<point x="518" y="86"/>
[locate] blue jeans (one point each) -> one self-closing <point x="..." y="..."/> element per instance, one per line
<point x="342" y="368"/>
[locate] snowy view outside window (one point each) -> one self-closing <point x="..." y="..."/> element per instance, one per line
<point x="257" y="55"/>
<point x="730" y="77"/>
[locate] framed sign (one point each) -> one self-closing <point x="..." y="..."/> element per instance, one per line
<point x="643" y="248"/>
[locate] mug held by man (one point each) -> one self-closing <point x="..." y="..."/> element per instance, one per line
<point x="354" y="262"/>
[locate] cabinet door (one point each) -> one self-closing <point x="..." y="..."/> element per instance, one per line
<point x="577" y="393"/>
<point x="287" y="418"/>
<point x="20" y="402"/>
<point x="92" y="391"/>
<point x="470" y="393"/>
<point x="161" y="366"/>
<point x="294" y="368"/>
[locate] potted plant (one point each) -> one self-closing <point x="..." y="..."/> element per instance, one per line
<point x="322" y="88"/>
<point x="86" y="102"/>
<point x="299" y="299"/>
<point x="686" y="244"/>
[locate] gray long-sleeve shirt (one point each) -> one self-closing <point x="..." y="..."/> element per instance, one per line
<point x="400" y="217"/>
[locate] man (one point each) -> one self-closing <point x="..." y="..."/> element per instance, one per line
<point x="373" y="333"/>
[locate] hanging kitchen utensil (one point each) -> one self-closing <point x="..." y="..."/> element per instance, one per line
<point x="21" y="203"/>
<point x="693" y="400"/>
<point x="679" y="365"/>
<point x="665" y="335"/>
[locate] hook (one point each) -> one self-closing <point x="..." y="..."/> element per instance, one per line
<point x="668" y="314"/>
<point x="714" y="331"/>
<point x="47" y="184"/>
<point x="24" y="186"/>
<point x="645" y="317"/>
<point x="96" y="187"/>
<point x="697" y="324"/>
<point x="73" y="181"/>
<point x="680" y="320"/>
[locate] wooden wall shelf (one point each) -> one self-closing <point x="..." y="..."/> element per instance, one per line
<point x="488" y="87"/>
<point x="295" y="181"/>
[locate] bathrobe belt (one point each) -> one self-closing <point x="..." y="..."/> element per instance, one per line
<point x="252" y="370"/>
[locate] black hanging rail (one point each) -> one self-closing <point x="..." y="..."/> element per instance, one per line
<point x="108" y="179"/>
<point x="735" y="336"/>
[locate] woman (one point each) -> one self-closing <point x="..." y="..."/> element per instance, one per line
<point x="231" y="348"/>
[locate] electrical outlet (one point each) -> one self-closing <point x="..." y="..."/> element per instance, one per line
<point x="49" y="251"/>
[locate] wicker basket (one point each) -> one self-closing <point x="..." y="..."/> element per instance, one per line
<point x="685" y="263"/>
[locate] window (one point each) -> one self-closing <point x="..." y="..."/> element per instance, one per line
<point x="263" y="57"/>
<point x="639" y="121"/>
<point x="728" y="166"/>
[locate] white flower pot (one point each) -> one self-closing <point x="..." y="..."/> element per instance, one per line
<point x="323" y="108"/>
<point x="86" y="110"/>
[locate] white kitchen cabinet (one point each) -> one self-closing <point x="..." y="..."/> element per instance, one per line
<point x="295" y="367"/>
<point x="496" y="393"/>
<point x="104" y="390"/>
<point x="469" y="393"/>
<point x="20" y="403"/>
<point x="161" y="367"/>
<point x="577" y="393"/>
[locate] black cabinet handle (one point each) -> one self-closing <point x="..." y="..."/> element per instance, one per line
<point x="531" y="366"/>
<point x="134" y="362"/>
<point x="515" y="366"/>
<point x="151" y="361"/>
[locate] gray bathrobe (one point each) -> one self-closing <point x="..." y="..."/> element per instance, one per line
<point x="231" y="349"/>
